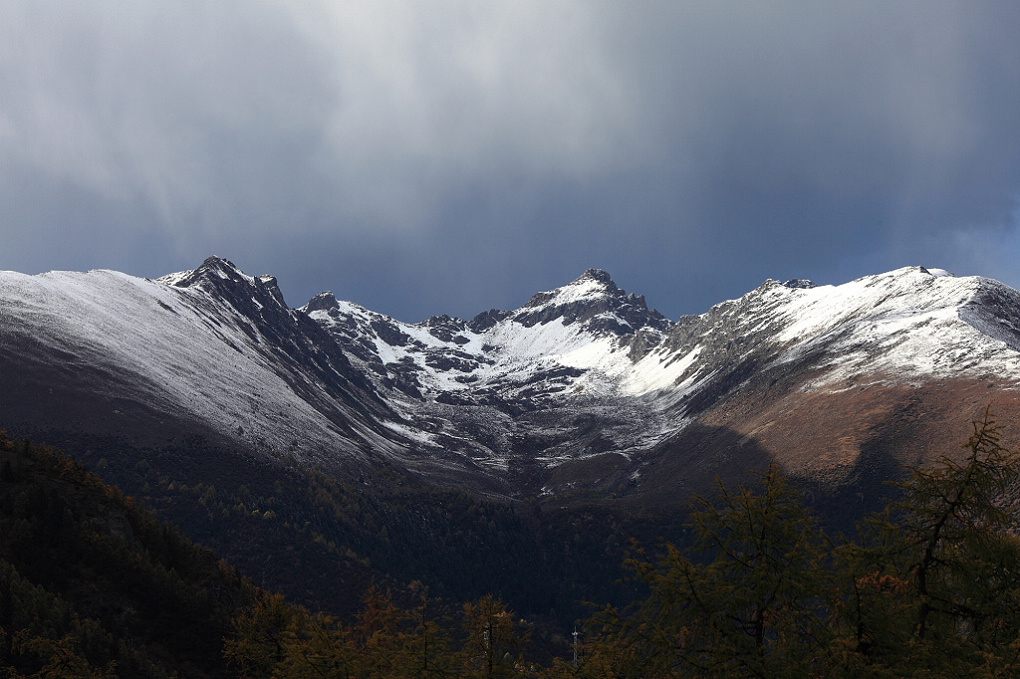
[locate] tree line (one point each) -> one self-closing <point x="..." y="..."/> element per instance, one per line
<point x="928" y="587"/>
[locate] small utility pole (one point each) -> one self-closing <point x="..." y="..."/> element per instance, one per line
<point x="487" y="634"/>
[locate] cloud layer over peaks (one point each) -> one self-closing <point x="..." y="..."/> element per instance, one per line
<point x="435" y="157"/>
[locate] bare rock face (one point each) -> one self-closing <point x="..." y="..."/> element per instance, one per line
<point x="582" y="394"/>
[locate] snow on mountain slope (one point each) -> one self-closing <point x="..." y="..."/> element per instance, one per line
<point x="902" y="326"/>
<point x="513" y="385"/>
<point x="582" y="381"/>
<point x="583" y="329"/>
<point x="612" y="377"/>
<point x="908" y="323"/>
<point x="181" y="348"/>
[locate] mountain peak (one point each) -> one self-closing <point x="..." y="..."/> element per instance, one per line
<point x="324" y="301"/>
<point x="212" y="269"/>
<point x="220" y="267"/>
<point x="593" y="284"/>
<point x="592" y="297"/>
<point x="222" y="277"/>
<point x="597" y="275"/>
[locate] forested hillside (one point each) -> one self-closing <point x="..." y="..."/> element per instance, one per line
<point x="90" y="585"/>
<point x="322" y="539"/>
<point x="929" y="586"/>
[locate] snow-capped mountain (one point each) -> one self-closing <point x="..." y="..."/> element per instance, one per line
<point x="495" y="357"/>
<point x="581" y="390"/>
<point x="586" y="376"/>
<point x="508" y="386"/>
<point x="211" y="352"/>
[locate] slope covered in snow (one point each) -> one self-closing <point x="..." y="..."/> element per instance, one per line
<point x="181" y="346"/>
<point x="589" y="350"/>
<point x="580" y="373"/>
<point x="902" y="326"/>
<point x="556" y="338"/>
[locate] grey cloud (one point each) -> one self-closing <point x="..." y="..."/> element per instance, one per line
<point x="451" y="156"/>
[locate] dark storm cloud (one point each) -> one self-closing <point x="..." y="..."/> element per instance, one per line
<point x="422" y="158"/>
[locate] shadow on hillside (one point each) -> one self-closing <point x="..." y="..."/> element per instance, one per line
<point x="322" y="540"/>
<point x="655" y="490"/>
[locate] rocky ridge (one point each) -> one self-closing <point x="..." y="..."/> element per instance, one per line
<point x="583" y="390"/>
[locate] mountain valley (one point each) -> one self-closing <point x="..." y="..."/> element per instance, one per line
<point x="559" y="429"/>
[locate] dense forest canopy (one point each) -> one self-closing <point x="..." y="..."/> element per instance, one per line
<point x="930" y="586"/>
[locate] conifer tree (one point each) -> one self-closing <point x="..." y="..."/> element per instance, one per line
<point x="934" y="584"/>
<point x="492" y="638"/>
<point x="746" y="600"/>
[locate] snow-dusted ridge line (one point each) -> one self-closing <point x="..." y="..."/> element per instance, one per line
<point x="553" y="330"/>
<point x="576" y="372"/>
<point x="188" y="349"/>
<point x="796" y="317"/>
<point x="911" y="322"/>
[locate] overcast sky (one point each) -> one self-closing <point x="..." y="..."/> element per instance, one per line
<point x="450" y="157"/>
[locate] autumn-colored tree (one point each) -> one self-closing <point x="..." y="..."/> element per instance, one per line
<point x="276" y="639"/>
<point x="59" y="658"/>
<point x="425" y="647"/>
<point x="933" y="586"/>
<point x="746" y="600"/>
<point x="261" y="637"/>
<point x="494" y="638"/>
